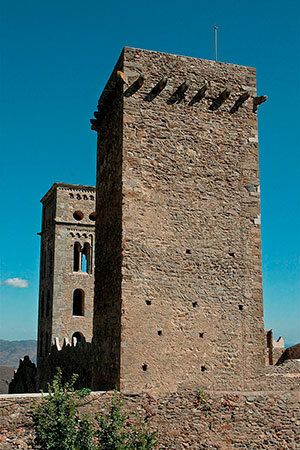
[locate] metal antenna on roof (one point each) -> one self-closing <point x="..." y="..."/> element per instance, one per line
<point x="216" y="41"/>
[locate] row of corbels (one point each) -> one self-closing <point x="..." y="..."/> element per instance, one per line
<point x="178" y="95"/>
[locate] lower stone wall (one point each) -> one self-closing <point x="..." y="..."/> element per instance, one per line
<point x="291" y="353"/>
<point x="254" y="420"/>
<point x="285" y="377"/>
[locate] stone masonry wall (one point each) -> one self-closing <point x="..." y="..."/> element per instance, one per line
<point x="107" y="299"/>
<point x="254" y="420"/>
<point x="68" y="231"/>
<point x="189" y="307"/>
<point x="46" y="276"/>
<point x="61" y="229"/>
<point x="286" y="376"/>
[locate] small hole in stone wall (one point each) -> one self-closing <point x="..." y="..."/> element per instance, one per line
<point x="78" y="215"/>
<point x="203" y="368"/>
<point x="195" y="304"/>
<point x="144" y="367"/>
<point x="241" y="307"/>
<point x="159" y="332"/>
<point x="71" y="195"/>
<point x="92" y="216"/>
<point x="231" y="254"/>
<point x="201" y="335"/>
<point x="148" y="302"/>
<point x="188" y="251"/>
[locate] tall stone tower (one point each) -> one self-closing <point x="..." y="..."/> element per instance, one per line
<point x="66" y="291"/>
<point x="178" y="282"/>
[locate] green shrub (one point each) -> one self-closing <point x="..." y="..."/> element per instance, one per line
<point x="59" y="426"/>
<point x="57" y="422"/>
<point x="115" y="432"/>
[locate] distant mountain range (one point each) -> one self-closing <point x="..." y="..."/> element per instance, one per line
<point x="12" y="351"/>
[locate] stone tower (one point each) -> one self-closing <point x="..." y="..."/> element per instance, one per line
<point x="66" y="291"/>
<point x="178" y="282"/>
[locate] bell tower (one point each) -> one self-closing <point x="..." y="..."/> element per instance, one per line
<point x="66" y="290"/>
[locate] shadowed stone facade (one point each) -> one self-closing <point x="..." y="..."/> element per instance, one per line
<point x="178" y="283"/>
<point x="67" y="269"/>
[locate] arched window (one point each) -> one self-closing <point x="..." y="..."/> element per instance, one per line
<point x="78" y="302"/>
<point x="77" y="257"/>
<point x="48" y="304"/>
<point x="78" y="336"/>
<point x="86" y="258"/>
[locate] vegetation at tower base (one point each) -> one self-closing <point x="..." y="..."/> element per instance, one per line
<point x="115" y="432"/>
<point x="57" y="422"/>
<point x="60" y="426"/>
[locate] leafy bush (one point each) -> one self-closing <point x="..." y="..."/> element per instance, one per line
<point x="57" y="422"/>
<point x="115" y="433"/>
<point x="59" y="426"/>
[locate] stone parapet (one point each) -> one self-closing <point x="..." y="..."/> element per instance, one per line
<point x="235" y="420"/>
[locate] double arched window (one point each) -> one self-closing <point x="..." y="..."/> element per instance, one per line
<point x="82" y="260"/>
<point x="78" y="302"/>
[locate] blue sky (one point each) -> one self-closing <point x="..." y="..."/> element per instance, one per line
<point x="55" y="58"/>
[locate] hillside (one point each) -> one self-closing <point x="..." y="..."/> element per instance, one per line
<point x="12" y="351"/>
